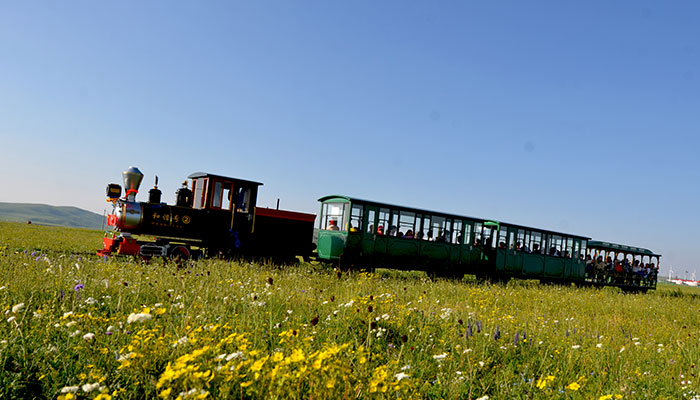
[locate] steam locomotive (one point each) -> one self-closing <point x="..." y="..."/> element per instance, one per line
<point x="213" y="215"/>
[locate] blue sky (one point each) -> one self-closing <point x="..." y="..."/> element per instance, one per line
<point x="572" y="116"/>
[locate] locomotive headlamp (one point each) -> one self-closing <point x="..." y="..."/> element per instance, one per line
<point x="114" y="191"/>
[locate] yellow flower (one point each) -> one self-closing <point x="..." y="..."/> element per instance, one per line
<point x="606" y="397"/>
<point x="103" y="396"/>
<point x="573" y="386"/>
<point x="165" y="393"/>
<point x="542" y="382"/>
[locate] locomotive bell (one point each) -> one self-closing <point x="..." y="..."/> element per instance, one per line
<point x="132" y="180"/>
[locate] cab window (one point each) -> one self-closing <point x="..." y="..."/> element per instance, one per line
<point x="334" y="216"/>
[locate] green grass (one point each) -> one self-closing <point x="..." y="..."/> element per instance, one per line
<point x="221" y="329"/>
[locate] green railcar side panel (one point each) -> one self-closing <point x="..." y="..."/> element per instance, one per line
<point x="533" y="264"/>
<point x="454" y="254"/>
<point x="500" y="261"/>
<point x="367" y="244"/>
<point x="331" y="244"/>
<point x="403" y="247"/>
<point x="554" y="266"/>
<point x="578" y="269"/>
<point x="435" y="250"/>
<point x="514" y="261"/>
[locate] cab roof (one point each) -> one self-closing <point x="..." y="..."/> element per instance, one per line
<point x="196" y="175"/>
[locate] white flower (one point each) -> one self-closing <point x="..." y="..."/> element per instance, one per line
<point x="125" y="356"/>
<point x="76" y="333"/>
<point x="234" y="355"/>
<point x="622" y="349"/>
<point x="18" y="308"/>
<point x="37" y="315"/>
<point x="66" y="315"/>
<point x="12" y="318"/>
<point x="467" y="351"/>
<point x="385" y="316"/>
<point x="401" y="375"/>
<point x="440" y="356"/>
<point x="138" y="317"/>
<point x="599" y="345"/>
<point x="89" y="336"/>
<point x="68" y="325"/>
<point x="483" y="398"/>
<point x="405" y="368"/>
<point x="90" y="301"/>
<point x="89" y="387"/>
<point x="289" y="311"/>
<point x="110" y="328"/>
<point x="637" y="343"/>
<point x="576" y="346"/>
<point x="181" y="341"/>
<point x="349" y="303"/>
<point x="70" y="389"/>
<point x="481" y="363"/>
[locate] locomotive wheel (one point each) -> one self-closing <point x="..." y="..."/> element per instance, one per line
<point x="179" y="255"/>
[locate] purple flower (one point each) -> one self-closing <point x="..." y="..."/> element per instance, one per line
<point x="80" y="258"/>
<point x="78" y="287"/>
<point x="33" y="253"/>
<point x="108" y="333"/>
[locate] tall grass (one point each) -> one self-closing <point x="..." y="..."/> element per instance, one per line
<point x="76" y="325"/>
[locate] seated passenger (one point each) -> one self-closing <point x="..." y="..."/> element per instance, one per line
<point x="408" y="235"/>
<point x="332" y="225"/>
<point x="526" y="249"/>
<point x="502" y="245"/>
<point x="392" y="230"/>
<point x="353" y="228"/>
<point x="429" y="236"/>
<point x="419" y="235"/>
<point x="536" y="248"/>
<point x="380" y="230"/>
<point x="518" y="246"/>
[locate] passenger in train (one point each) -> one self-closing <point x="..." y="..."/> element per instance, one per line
<point x="380" y="230"/>
<point x="518" y="246"/>
<point x="333" y="226"/>
<point x="526" y="249"/>
<point x="409" y="234"/>
<point x="536" y="248"/>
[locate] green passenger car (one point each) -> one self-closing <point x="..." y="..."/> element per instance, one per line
<point x="368" y="234"/>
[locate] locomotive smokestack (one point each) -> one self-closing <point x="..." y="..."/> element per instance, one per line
<point x="132" y="181"/>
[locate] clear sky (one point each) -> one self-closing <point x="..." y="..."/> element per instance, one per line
<point x="573" y="116"/>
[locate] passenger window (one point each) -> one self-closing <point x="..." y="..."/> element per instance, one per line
<point x="583" y="249"/>
<point x="393" y="229"/>
<point x="502" y="238"/>
<point x="383" y="221"/>
<point x="467" y="233"/>
<point x="536" y="242"/>
<point x="457" y="232"/>
<point x="511" y="236"/>
<point x="370" y="221"/>
<point x="426" y="229"/>
<point x="520" y="240"/>
<point x="407" y="222"/>
<point x="477" y="234"/>
<point x="436" y="229"/>
<point x="356" y="218"/>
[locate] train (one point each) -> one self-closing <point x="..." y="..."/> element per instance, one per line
<point x="215" y="215"/>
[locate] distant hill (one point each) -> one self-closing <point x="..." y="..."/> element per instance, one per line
<point x="50" y="215"/>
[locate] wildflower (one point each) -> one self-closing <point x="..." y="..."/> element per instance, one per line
<point x="70" y="389"/>
<point x="576" y="346"/>
<point x="440" y="357"/>
<point x="12" y="318"/>
<point x="483" y="398"/>
<point x="542" y="382"/>
<point x="573" y="386"/>
<point x="138" y="317"/>
<point x="599" y="345"/>
<point x="181" y="341"/>
<point x="17" y="308"/>
<point x="401" y="376"/>
<point x="89" y="387"/>
<point x="88" y="336"/>
<point x="78" y="287"/>
<point x="90" y="301"/>
<point x="103" y="396"/>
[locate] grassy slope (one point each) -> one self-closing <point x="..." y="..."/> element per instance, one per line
<point x="50" y="215"/>
<point x="235" y="329"/>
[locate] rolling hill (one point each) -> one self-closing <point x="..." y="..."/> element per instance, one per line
<point x="50" y="215"/>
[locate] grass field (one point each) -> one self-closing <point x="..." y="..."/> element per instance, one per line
<point x="78" y="326"/>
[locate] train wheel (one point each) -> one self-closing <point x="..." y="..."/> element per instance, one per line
<point x="179" y="255"/>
